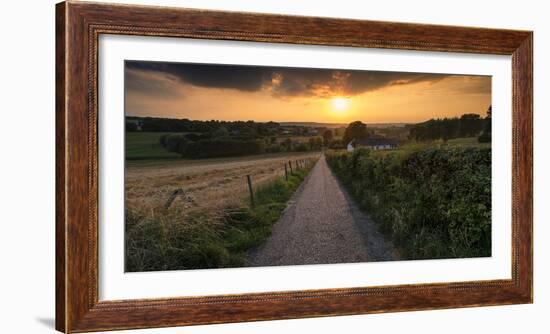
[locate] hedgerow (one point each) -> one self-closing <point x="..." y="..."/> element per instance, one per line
<point x="433" y="203"/>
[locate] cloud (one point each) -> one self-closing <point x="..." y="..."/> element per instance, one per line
<point x="461" y="85"/>
<point x="244" y="78"/>
<point x="281" y="82"/>
<point x="328" y="83"/>
<point x="471" y="84"/>
<point x="151" y="83"/>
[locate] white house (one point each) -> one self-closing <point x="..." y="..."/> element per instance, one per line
<point x="350" y="146"/>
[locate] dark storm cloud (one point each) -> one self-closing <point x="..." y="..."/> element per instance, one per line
<point x="326" y="83"/>
<point x="281" y="81"/>
<point x="245" y="78"/>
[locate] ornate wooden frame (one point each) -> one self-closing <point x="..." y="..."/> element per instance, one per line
<point x="78" y="25"/>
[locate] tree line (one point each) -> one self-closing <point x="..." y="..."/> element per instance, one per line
<point x="216" y="127"/>
<point x="467" y="125"/>
<point x="193" y="146"/>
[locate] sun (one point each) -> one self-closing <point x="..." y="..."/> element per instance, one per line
<point x="340" y="103"/>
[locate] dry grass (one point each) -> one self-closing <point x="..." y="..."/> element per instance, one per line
<point x="211" y="184"/>
<point x="211" y="225"/>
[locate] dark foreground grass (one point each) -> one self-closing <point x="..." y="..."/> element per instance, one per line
<point x="166" y="241"/>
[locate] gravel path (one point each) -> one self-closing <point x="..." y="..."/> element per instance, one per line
<point x="322" y="225"/>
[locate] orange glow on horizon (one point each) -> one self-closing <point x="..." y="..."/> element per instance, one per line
<point x="411" y="103"/>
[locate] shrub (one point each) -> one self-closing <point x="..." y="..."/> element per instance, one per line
<point x="274" y="148"/>
<point x="301" y="147"/>
<point x="213" y="148"/>
<point x="337" y="144"/>
<point x="485" y="137"/>
<point x="173" y="142"/>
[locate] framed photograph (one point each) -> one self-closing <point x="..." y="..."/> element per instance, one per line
<point x="223" y="167"/>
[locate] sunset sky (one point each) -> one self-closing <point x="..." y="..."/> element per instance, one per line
<point x="235" y="92"/>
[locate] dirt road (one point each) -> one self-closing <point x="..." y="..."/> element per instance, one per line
<point x="322" y="225"/>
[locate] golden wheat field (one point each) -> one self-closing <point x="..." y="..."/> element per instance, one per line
<point x="207" y="184"/>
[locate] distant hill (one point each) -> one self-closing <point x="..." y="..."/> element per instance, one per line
<point x="167" y="122"/>
<point x="314" y="124"/>
<point x="339" y="125"/>
<point x="387" y="125"/>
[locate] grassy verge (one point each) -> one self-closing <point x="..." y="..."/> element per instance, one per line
<point x="433" y="203"/>
<point x="177" y="240"/>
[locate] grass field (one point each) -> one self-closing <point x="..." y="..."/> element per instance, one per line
<point x="467" y="142"/>
<point x="146" y="146"/>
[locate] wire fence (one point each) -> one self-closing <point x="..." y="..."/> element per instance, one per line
<point x="251" y="181"/>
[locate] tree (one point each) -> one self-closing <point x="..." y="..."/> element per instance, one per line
<point x="287" y="144"/>
<point x="315" y="143"/>
<point x="327" y="137"/>
<point x="485" y="136"/>
<point x="221" y="132"/>
<point x="470" y="125"/>
<point x="131" y="127"/>
<point x="337" y="144"/>
<point x="355" y="130"/>
<point x="448" y="129"/>
<point x="174" y="142"/>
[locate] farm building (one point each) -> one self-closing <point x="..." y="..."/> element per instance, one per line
<point x="373" y="143"/>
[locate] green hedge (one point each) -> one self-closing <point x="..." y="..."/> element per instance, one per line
<point x="212" y="148"/>
<point x="434" y="203"/>
<point x="195" y="147"/>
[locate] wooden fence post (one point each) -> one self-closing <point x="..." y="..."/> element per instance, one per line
<point x="290" y="165"/>
<point x="172" y="198"/>
<point x="250" y="189"/>
<point x="286" y="173"/>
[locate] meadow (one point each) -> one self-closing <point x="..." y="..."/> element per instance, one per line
<point x="414" y="146"/>
<point x="146" y="146"/>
